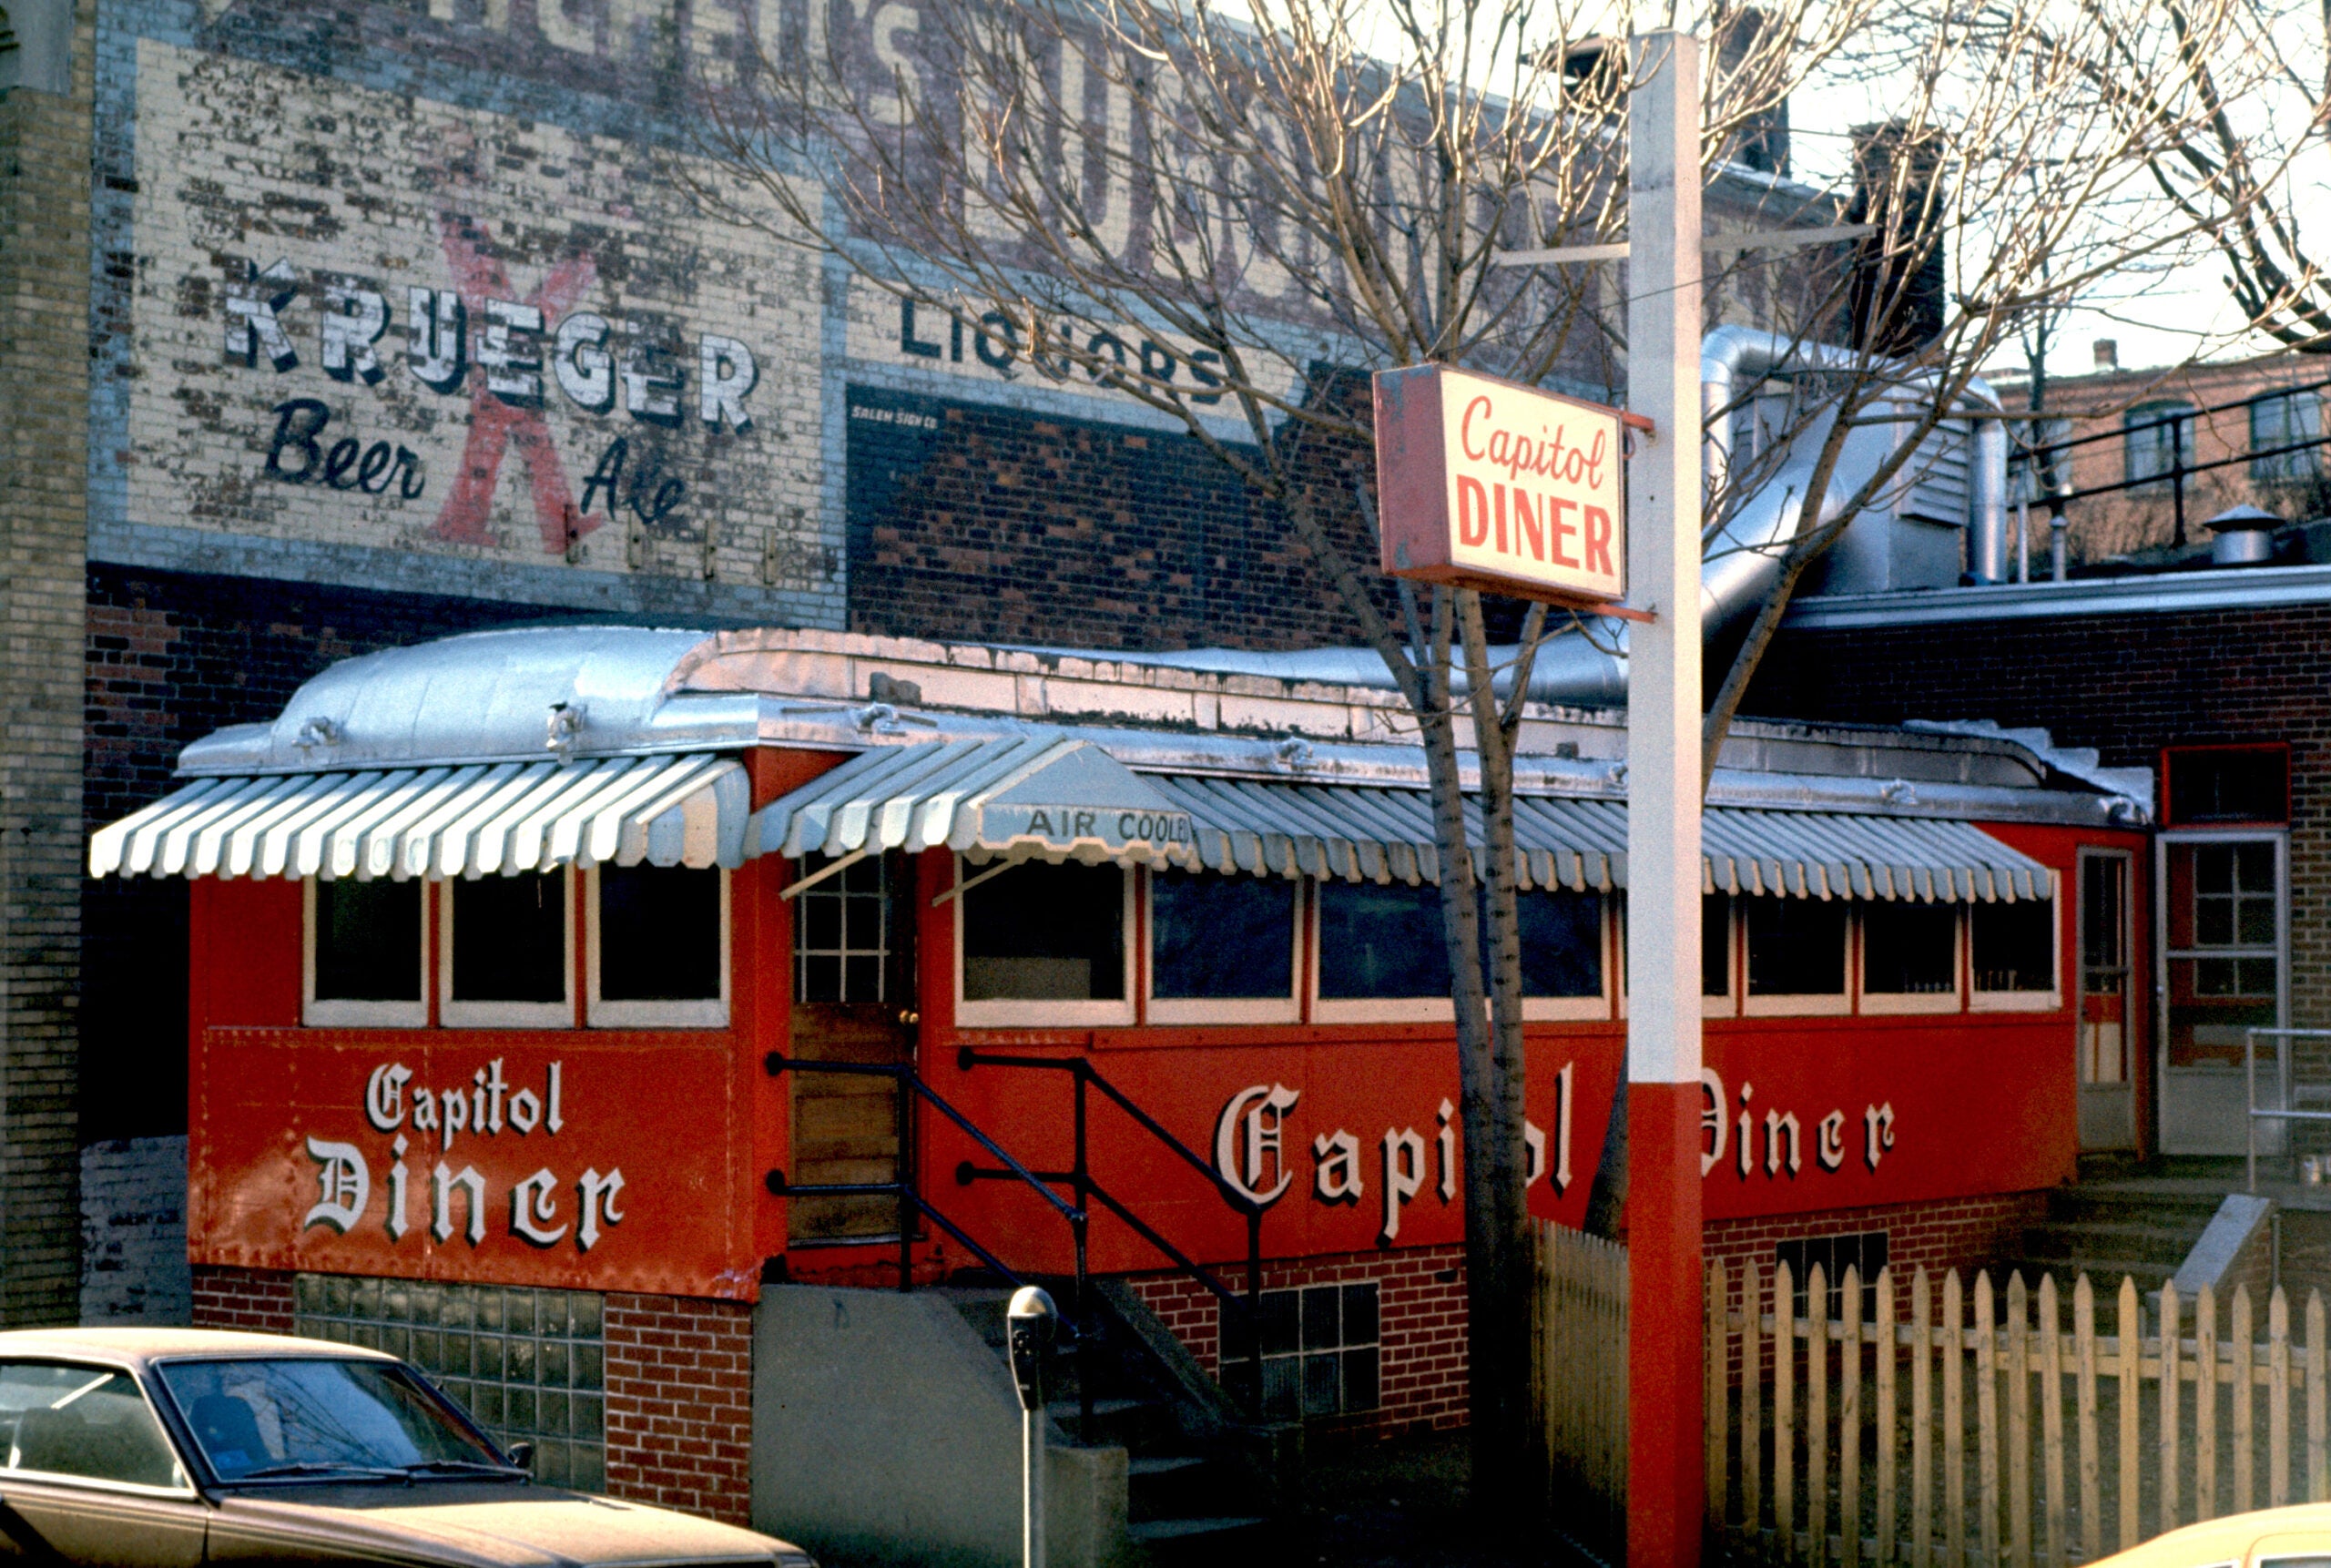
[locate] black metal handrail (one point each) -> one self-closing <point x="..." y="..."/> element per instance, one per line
<point x="1247" y="1309"/>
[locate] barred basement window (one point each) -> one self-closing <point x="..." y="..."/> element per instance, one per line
<point x="1321" y="1353"/>
<point x="1865" y="1250"/>
<point x="529" y="1366"/>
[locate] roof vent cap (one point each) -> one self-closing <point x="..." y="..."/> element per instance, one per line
<point x="2245" y="536"/>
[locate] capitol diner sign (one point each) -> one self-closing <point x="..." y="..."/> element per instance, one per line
<point x="1487" y="484"/>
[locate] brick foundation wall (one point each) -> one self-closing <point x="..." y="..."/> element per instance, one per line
<point x="1965" y="1233"/>
<point x="1421" y="1292"/>
<point x="1420" y="1306"/>
<point x="680" y="1404"/>
<point x="254" y="1299"/>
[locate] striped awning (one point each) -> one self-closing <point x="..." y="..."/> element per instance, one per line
<point x="1035" y="796"/>
<point x="475" y="819"/>
<point x="1366" y="834"/>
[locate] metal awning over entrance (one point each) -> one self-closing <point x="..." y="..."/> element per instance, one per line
<point x="477" y="819"/>
<point x="1369" y="834"/>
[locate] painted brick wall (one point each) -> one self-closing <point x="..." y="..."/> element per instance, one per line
<point x="680" y="1404"/>
<point x="1421" y="1303"/>
<point x="133" y="1232"/>
<point x="256" y="1300"/>
<point x="2127" y="686"/>
<point x="45" y="347"/>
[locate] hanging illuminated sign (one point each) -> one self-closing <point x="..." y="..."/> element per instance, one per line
<point x="1494" y="485"/>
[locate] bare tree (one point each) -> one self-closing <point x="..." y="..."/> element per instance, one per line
<point x="1276" y="203"/>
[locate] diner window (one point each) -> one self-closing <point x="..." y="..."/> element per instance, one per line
<point x="2159" y="437"/>
<point x="1796" y="955"/>
<point x="1562" y="953"/>
<point x="508" y="947"/>
<point x="1716" y="954"/>
<point x="363" y="947"/>
<point x="1909" y="957"/>
<point x="659" y="947"/>
<point x="1222" y="949"/>
<point x="2228" y="784"/>
<point x="2011" y="949"/>
<point x="2284" y="419"/>
<point x="1381" y="953"/>
<point x="1045" y="944"/>
<point x="1321" y="1350"/>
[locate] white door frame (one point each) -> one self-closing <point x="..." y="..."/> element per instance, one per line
<point x="2204" y="1110"/>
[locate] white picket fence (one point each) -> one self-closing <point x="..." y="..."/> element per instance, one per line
<point x="1581" y="1329"/>
<point x="1923" y="1435"/>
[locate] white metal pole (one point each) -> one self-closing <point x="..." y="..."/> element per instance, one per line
<point x="1664" y="1454"/>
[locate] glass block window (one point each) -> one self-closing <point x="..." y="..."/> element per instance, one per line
<point x="1321" y="1353"/>
<point x="529" y="1366"/>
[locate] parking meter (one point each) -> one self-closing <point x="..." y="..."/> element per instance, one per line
<point x="1030" y="1320"/>
<point x="1033" y="1320"/>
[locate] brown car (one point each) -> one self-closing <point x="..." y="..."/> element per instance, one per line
<point x="165" y="1448"/>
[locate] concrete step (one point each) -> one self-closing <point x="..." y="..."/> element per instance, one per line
<point x="2151" y="1243"/>
<point x="1162" y="1463"/>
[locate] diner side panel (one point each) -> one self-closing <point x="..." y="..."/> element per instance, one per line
<point x="599" y="1159"/>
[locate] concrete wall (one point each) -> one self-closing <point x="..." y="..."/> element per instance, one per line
<point x="44" y="272"/>
<point x="884" y="1429"/>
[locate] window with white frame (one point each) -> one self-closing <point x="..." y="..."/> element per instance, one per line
<point x="1562" y="954"/>
<point x="1796" y="955"/>
<point x="842" y="944"/>
<point x="2158" y="437"/>
<point x="1716" y="999"/>
<point x="658" y="950"/>
<point x="2283" y="420"/>
<point x="2012" y="953"/>
<point x="362" y="954"/>
<point x="1222" y="948"/>
<point x="1380" y="953"/>
<point x="1044" y="944"/>
<point x="506" y="947"/>
<point x="1910" y="956"/>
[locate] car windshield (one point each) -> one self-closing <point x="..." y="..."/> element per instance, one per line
<point x="312" y="1416"/>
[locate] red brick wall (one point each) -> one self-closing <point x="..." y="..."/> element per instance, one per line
<point x="253" y="1299"/>
<point x="1964" y="1233"/>
<point x="680" y="1404"/>
<point x="1421" y="1303"/>
<point x="1422" y="1291"/>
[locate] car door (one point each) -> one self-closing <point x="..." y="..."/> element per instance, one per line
<point x="88" y="1475"/>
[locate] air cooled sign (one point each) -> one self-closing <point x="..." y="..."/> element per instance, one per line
<point x="1499" y="486"/>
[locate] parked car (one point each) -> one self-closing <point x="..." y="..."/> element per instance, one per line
<point x="2296" y="1537"/>
<point x="168" y="1448"/>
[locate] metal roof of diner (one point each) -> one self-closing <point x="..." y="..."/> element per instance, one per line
<point x="524" y="750"/>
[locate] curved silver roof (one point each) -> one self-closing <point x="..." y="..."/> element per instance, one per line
<point x="514" y="696"/>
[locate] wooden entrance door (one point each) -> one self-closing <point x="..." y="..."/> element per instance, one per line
<point x="853" y="1001"/>
<point x="2105" y="1044"/>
